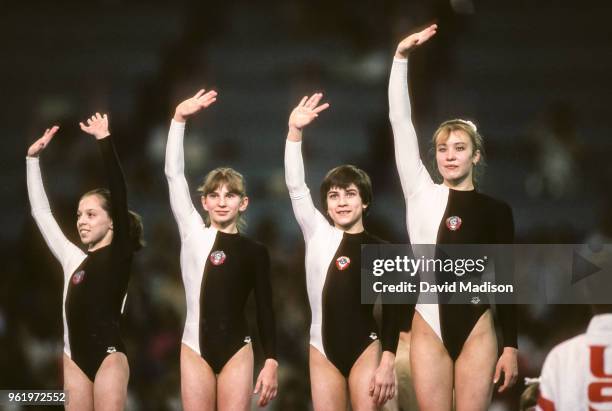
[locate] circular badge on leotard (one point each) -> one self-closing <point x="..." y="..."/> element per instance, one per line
<point x="78" y="277"/>
<point x="453" y="223"/>
<point x="217" y="257"/>
<point x="343" y="262"/>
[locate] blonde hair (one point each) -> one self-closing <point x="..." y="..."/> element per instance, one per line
<point x="469" y="128"/>
<point x="233" y="180"/>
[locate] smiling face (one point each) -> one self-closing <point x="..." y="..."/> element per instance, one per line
<point x="345" y="207"/>
<point x="456" y="158"/>
<point x="94" y="224"/>
<point x="346" y="191"/>
<point x="224" y="207"/>
<point x="222" y="188"/>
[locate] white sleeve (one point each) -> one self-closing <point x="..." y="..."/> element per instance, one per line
<point x="548" y="383"/>
<point x="306" y="214"/>
<point x="412" y="172"/>
<point x="185" y="214"/>
<point x="57" y="242"/>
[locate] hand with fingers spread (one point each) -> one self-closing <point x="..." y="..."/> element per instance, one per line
<point x="509" y="365"/>
<point x="267" y="382"/>
<point x="303" y="114"/>
<point x="39" y="145"/>
<point x="97" y="126"/>
<point x="414" y="40"/>
<point x="382" y="385"/>
<point x="194" y="104"/>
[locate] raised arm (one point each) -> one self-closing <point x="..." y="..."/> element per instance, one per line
<point x="410" y="167"/>
<point x="41" y="210"/>
<point x="97" y="126"/>
<point x="184" y="212"/>
<point x="305" y="212"/>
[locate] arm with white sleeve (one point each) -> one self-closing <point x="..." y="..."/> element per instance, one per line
<point x="59" y="245"/>
<point x="185" y="214"/>
<point x="306" y="214"/>
<point x="413" y="174"/>
<point x="549" y="376"/>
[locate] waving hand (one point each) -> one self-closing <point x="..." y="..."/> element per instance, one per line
<point x="306" y="111"/>
<point x="414" y="40"/>
<point x="39" y="145"/>
<point x="97" y="126"/>
<point x="194" y="104"/>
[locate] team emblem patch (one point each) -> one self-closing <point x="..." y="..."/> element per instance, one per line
<point x="78" y="277"/>
<point x="453" y="223"/>
<point x="343" y="262"/>
<point x="373" y="336"/>
<point x="111" y="350"/>
<point x="217" y="257"/>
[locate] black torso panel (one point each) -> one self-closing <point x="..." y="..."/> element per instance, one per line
<point x="235" y="267"/>
<point x="348" y="325"/>
<point x="473" y="218"/>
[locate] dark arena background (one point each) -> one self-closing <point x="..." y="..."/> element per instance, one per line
<point x="533" y="75"/>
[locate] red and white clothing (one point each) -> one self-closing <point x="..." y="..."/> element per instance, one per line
<point x="577" y="374"/>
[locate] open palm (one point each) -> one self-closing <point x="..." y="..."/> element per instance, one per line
<point x="305" y="112"/>
<point x="39" y="145"/>
<point x="194" y="104"/>
<point x="97" y="126"/>
<point x="415" y="40"/>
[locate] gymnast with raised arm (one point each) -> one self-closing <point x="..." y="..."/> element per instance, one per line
<point x="351" y="359"/>
<point x="453" y="347"/>
<point x="96" y="370"/>
<point x="220" y="268"/>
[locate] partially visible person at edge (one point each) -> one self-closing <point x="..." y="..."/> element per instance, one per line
<point x="577" y="374"/>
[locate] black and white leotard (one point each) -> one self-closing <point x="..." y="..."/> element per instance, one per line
<point x="95" y="283"/>
<point x="484" y="220"/>
<point x="219" y="271"/>
<point x="341" y="327"/>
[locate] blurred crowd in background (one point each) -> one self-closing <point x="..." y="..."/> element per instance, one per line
<point x="531" y="75"/>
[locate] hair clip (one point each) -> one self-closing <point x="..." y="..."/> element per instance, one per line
<point x="469" y="123"/>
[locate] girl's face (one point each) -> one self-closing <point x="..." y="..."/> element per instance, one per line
<point x="93" y="223"/>
<point x="456" y="158"/>
<point x="224" y="207"/>
<point x="345" y="207"/>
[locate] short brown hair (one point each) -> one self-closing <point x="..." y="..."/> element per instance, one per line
<point x="224" y="176"/>
<point x="342" y="177"/>
<point x="468" y="128"/>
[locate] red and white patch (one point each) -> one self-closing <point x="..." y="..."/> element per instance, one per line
<point x="453" y="223"/>
<point x="217" y="257"/>
<point x="343" y="262"/>
<point x="78" y="277"/>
